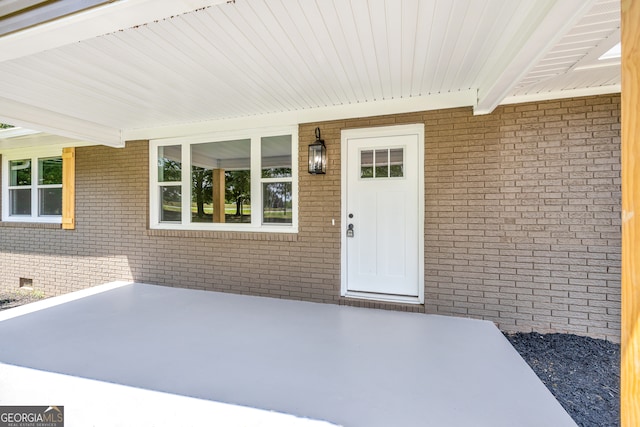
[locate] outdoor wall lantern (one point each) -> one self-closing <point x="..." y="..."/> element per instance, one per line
<point x="318" y="156"/>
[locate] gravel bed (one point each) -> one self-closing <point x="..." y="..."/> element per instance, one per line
<point x="17" y="298"/>
<point x="582" y="373"/>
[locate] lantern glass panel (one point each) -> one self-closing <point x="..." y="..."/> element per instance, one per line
<point x="317" y="159"/>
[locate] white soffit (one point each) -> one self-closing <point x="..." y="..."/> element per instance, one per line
<point x="251" y="63"/>
<point x="572" y="67"/>
<point x="545" y="26"/>
<point x="104" y="19"/>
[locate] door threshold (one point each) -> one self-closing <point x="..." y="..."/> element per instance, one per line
<point x="405" y="299"/>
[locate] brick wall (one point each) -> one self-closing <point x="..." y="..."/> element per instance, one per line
<point x="523" y="215"/>
<point x="112" y="242"/>
<point x="522" y="223"/>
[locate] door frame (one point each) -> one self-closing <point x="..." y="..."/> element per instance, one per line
<point x="382" y="131"/>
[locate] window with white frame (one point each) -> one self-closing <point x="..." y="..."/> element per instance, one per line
<point x="242" y="182"/>
<point x="32" y="186"/>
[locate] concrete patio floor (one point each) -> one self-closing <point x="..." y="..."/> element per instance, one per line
<point x="137" y="354"/>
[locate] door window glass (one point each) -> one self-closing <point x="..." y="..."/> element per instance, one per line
<point x="385" y="163"/>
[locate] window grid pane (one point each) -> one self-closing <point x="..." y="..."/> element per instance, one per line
<point x="50" y="201"/>
<point x="35" y="187"/>
<point x="276" y="156"/>
<point x="170" y="203"/>
<point x="170" y="163"/>
<point x="366" y="164"/>
<point x="50" y="171"/>
<point x="396" y="161"/>
<point x="382" y="164"/>
<point x="277" y="203"/>
<point x="20" y="202"/>
<point x="223" y="182"/>
<point x="20" y="172"/>
<point x="386" y="163"/>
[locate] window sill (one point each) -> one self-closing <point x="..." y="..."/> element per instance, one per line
<point x="41" y="225"/>
<point x="225" y="235"/>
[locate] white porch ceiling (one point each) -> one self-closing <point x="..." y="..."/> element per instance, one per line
<point x="123" y="72"/>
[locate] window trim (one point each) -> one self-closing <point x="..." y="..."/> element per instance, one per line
<point x="256" y="224"/>
<point x="34" y="155"/>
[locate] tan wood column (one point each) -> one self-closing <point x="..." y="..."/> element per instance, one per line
<point x="218" y="195"/>
<point x="69" y="188"/>
<point x="630" y="348"/>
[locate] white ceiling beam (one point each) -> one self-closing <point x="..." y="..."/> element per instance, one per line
<point x="526" y="52"/>
<point x="36" y="141"/>
<point x="28" y="116"/>
<point x="94" y="22"/>
<point x="569" y="93"/>
<point x="414" y="104"/>
<point x="8" y="7"/>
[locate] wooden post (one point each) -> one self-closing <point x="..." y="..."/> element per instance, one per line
<point x="630" y="358"/>
<point x="218" y="195"/>
<point x="68" y="188"/>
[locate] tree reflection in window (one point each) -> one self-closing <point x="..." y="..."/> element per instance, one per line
<point x="238" y="192"/>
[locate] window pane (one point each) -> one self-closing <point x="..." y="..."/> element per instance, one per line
<point x="20" y="172"/>
<point x="276" y="156"/>
<point x="169" y="163"/>
<point x="221" y="175"/>
<point x="277" y="203"/>
<point x="50" y="201"/>
<point x="238" y="196"/>
<point x="382" y="163"/>
<point x="170" y="203"/>
<point x="20" y="202"/>
<point x="202" y="195"/>
<point x="366" y="164"/>
<point x="396" y="156"/>
<point x="50" y="171"/>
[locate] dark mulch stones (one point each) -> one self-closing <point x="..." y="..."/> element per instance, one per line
<point x="582" y="373"/>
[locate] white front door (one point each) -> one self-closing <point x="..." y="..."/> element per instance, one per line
<point x="383" y="213"/>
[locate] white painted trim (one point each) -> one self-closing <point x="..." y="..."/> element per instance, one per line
<point x="553" y="24"/>
<point x="440" y="101"/>
<point x="16" y="132"/>
<point x="39" y="141"/>
<point x="29" y="116"/>
<point x="186" y="183"/>
<point x="154" y="214"/>
<point x="572" y="93"/>
<point x="256" y="183"/>
<point x="116" y="16"/>
<point x="31" y="153"/>
<point x="385" y="297"/>
<point x="38" y="151"/>
<point x="256" y="225"/>
<point x="412" y="129"/>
